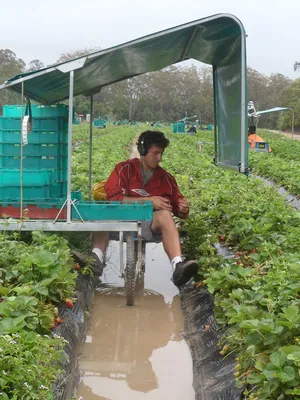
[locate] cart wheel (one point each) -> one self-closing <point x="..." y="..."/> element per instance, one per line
<point x="140" y="275"/>
<point x="130" y="273"/>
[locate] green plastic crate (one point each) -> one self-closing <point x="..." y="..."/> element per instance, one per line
<point x="38" y="124"/>
<point x="34" y="162"/>
<point x="41" y="149"/>
<point x="38" y="111"/>
<point x="11" y="177"/>
<point x="76" y="195"/>
<point x="59" y="174"/>
<point x="29" y="192"/>
<point x="34" y="137"/>
<point x="179" y="127"/>
<point x="36" y="184"/>
<point x="58" y="190"/>
<point x="99" y="123"/>
<point x="115" y="210"/>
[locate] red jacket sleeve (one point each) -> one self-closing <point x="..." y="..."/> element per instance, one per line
<point x="116" y="186"/>
<point x="175" y="194"/>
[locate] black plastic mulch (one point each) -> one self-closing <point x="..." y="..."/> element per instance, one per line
<point x="213" y="374"/>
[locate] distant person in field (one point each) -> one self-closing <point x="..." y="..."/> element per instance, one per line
<point x="143" y="179"/>
<point x="252" y="117"/>
<point x="254" y="138"/>
<point x="192" y="129"/>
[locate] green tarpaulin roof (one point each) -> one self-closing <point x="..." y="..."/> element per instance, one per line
<point x="214" y="40"/>
<point x="219" y="40"/>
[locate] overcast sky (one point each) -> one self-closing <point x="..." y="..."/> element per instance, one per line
<point x="47" y="28"/>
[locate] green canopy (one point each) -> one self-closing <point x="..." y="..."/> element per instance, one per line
<point x="218" y="40"/>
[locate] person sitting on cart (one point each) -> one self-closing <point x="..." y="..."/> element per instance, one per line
<point x="143" y="179"/>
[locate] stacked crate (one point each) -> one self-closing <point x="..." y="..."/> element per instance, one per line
<point x="45" y="157"/>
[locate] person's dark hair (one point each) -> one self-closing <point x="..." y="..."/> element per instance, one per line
<point x="150" y="138"/>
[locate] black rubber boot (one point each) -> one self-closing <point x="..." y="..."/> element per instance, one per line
<point x="184" y="271"/>
<point x="89" y="259"/>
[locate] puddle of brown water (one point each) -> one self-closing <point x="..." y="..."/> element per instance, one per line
<point x="132" y="353"/>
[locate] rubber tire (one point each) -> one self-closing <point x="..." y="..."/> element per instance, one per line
<point x="130" y="271"/>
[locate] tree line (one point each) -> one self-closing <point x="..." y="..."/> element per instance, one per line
<point x="169" y="94"/>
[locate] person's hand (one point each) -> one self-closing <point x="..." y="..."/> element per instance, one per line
<point x="160" y="203"/>
<point x="183" y="206"/>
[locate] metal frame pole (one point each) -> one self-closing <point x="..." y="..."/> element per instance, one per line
<point x="21" y="152"/>
<point x="215" y="115"/>
<point x="91" y="147"/>
<point x="293" y="122"/>
<point x="280" y="122"/>
<point x="71" y="92"/>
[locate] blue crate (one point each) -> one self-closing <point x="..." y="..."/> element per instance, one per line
<point x="38" y="111"/>
<point x="13" y="136"/>
<point x="59" y="174"/>
<point x="115" y="210"/>
<point x="38" y="124"/>
<point x="40" y="149"/>
<point x="262" y="147"/>
<point x="34" y="162"/>
<point x="36" y="184"/>
<point x="11" y="177"/>
<point x="99" y="123"/>
<point x="59" y="190"/>
<point x="76" y="195"/>
<point x="29" y="192"/>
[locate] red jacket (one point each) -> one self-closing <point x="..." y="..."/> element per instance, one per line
<point x="126" y="180"/>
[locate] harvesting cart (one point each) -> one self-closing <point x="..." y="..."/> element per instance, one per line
<point x="36" y="169"/>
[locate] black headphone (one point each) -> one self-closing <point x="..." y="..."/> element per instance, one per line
<point x="142" y="148"/>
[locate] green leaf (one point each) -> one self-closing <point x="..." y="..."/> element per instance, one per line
<point x="291" y="313"/>
<point x="290" y="349"/>
<point x="261" y="362"/>
<point x="253" y="379"/>
<point x="278" y="359"/>
<point x="11" y="325"/>
<point x="46" y="282"/>
<point x="250" y="324"/>
<point x="4" y="290"/>
<point x="295" y="391"/>
<point x="42" y="290"/>
<point x="294" y="356"/>
<point x="287" y="374"/>
<point x="251" y="350"/>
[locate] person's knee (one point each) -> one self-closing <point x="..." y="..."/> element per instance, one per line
<point x="163" y="218"/>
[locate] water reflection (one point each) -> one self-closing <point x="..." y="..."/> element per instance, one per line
<point x="122" y="340"/>
<point x="137" y="352"/>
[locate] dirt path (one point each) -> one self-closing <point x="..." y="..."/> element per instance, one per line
<point x="296" y="136"/>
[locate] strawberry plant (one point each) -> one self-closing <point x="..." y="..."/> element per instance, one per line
<point x="256" y="290"/>
<point x="29" y="364"/>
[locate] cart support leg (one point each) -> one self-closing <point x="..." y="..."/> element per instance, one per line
<point x="121" y="241"/>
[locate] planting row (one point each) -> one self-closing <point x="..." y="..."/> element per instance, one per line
<point x="109" y="147"/>
<point x="37" y="277"/>
<point x="282" y="165"/>
<point x="256" y="291"/>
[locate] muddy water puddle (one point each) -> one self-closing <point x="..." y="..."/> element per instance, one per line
<point x="132" y="353"/>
